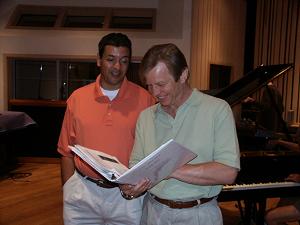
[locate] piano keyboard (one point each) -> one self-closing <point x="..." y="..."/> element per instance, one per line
<point x="241" y="187"/>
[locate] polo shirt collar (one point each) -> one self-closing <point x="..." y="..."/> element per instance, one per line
<point x="123" y="92"/>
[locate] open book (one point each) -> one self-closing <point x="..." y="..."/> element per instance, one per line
<point x="156" y="166"/>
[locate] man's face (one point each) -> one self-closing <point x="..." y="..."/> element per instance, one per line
<point x="161" y="84"/>
<point x="113" y="66"/>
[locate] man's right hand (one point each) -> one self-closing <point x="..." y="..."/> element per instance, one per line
<point x="135" y="190"/>
<point x="67" y="168"/>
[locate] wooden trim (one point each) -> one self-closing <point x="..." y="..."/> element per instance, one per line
<point x="33" y="102"/>
<point x="47" y="56"/>
<point x="62" y="11"/>
<point x="107" y="19"/>
<point x="47" y="160"/>
<point x="60" y="18"/>
<point x="75" y="58"/>
<point x="6" y="81"/>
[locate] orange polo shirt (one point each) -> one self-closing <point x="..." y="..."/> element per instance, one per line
<point x="93" y="121"/>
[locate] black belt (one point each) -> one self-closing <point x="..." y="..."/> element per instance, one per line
<point x="100" y="182"/>
<point x="181" y="205"/>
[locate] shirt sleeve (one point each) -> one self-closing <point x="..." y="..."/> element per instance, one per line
<point x="226" y="142"/>
<point x="67" y="134"/>
<point x="137" y="151"/>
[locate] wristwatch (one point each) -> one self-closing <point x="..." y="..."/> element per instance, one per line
<point x="128" y="197"/>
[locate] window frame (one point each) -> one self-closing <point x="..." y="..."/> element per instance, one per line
<point x="62" y="13"/>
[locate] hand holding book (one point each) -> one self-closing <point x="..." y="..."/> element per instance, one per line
<point x="156" y="166"/>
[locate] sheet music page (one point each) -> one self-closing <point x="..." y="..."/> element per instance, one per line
<point x="159" y="164"/>
<point x="156" y="166"/>
<point x="107" y="165"/>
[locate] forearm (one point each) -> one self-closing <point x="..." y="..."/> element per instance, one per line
<point x="210" y="173"/>
<point x="67" y="168"/>
<point x="289" y="145"/>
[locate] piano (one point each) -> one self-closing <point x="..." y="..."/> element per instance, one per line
<point x="251" y="82"/>
<point x="262" y="170"/>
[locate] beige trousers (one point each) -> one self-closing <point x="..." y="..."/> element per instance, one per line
<point x="155" y="213"/>
<point x="87" y="203"/>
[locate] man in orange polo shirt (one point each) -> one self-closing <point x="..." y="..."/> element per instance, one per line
<point x="101" y="115"/>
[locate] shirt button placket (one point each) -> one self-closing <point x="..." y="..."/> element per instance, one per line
<point x="108" y="120"/>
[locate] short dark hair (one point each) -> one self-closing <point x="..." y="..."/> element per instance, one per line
<point x="114" y="39"/>
<point x="169" y="54"/>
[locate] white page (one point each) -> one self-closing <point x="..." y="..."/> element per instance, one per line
<point x="108" y="166"/>
<point x="156" y="166"/>
<point x="159" y="164"/>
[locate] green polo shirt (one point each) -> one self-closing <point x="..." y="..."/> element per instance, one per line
<point x="205" y="125"/>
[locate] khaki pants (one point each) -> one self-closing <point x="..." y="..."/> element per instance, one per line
<point x="155" y="213"/>
<point x="87" y="203"/>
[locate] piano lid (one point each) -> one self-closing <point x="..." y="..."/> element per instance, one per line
<point x="251" y="82"/>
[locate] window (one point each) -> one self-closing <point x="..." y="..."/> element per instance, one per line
<point x="131" y="22"/>
<point x="54" y="79"/>
<point x="132" y="19"/>
<point x="31" y="20"/>
<point x="47" y="79"/>
<point x="84" y="21"/>
<point x="75" y="75"/>
<point x="63" y="17"/>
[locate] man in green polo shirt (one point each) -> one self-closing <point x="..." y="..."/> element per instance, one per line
<point x="203" y="124"/>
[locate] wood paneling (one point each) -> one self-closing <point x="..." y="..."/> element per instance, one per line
<point x="218" y="29"/>
<point x="278" y="41"/>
